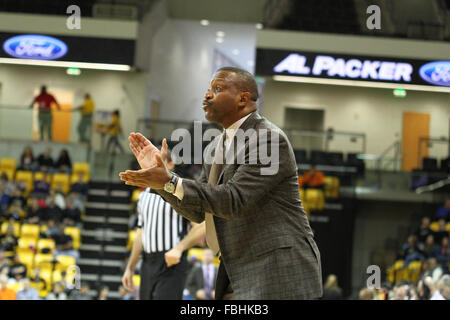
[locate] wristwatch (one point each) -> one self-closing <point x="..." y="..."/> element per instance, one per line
<point x="171" y="184"/>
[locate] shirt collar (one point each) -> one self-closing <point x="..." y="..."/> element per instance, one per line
<point x="233" y="128"/>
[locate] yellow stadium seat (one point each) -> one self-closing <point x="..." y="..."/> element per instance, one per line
<point x="44" y="261"/>
<point x="9" y="173"/>
<point x="57" y="276"/>
<point x="25" y="177"/>
<point x="331" y="187"/>
<point x="447" y="226"/>
<point x="434" y="226"/>
<point x="74" y="178"/>
<point x="414" y="270"/>
<point x="30" y="230"/>
<point x="81" y="167"/>
<point x="47" y="275"/>
<point x="45" y="243"/>
<point x="65" y="262"/>
<point x="28" y="243"/>
<point x="39" y="175"/>
<point x="131" y="237"/>
<point x="135" y="195"/>
<point x="44" y="228"/>
<point x="8" y="163"/>
<point x="314" y="199"/>
<point x="27" y="258"/>
<point x="75" y="233"/>
<point x="16" y="226"/>
<point x="61" y="179"/>
<point x="137" y="280"/>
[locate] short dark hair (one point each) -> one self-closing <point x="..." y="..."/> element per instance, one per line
<point x="246" y="81"/>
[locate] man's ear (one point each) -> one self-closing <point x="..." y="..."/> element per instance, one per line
<point x="244" y="98"/>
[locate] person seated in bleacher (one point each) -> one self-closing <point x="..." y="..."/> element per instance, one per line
<point x="27" y="293"/>
<point x="77" y="200"/>
<point x="442" y="253"/>
<point x="411" y="251"/>
<point x="27" y="160"/>
<point x="444" y="211"/>
<point x="17" y="195"/>
<point x="45" y="161"/>
<point x="5" y="292"/>
<point x="424" y="230"/>
<point x="429" y="247"/>
<point x="442" y="231"/>
<point x="64" y="244"/>
<point x="53" y="212"/>
<point x="71" y="215"/>
<point x="57" y="292"/>
<point x="313" y="179"/>
<point x="35" y="212"/>
<point x="41" y="188"/>
<point x="82" y="294"/>
<point x="8" y="241"/>
<point x="58" y="194"/>
<point x="4" y="200"/>
<point x="4" y="264"/>
<point x="63" y="164"/>
<point x="201" y="278"/>
<point x="14" y="213"/>
<point x="434" y="270"/>
<point x="9" y="186"/>
<point x="18" y="270"/>
<point x="80" y="187"/>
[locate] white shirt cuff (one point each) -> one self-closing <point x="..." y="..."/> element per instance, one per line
<point x="179" y="192"/>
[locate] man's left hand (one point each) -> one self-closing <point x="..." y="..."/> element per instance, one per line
<point x="173" y="256"/>
<point x="154" y="177"/>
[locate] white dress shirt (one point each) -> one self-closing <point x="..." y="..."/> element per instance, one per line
<point x="230" y="132"/>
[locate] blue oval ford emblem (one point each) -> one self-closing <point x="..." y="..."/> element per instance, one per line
<point x="32" y="46"/>
<point x="437" y="73"/>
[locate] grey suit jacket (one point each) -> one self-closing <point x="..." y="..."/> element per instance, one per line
<point x="264" y="236"/>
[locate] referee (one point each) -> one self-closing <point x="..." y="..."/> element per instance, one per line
<point x="164" y="236"/>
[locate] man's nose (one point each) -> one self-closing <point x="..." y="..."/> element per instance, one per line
<point x="208" y="95"/>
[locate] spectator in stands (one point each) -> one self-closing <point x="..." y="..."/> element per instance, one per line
<point x="85" y="125"/>
<point x="411" y="251"/>
<point x="424" y="230"/>
<point x="82" y="294"/>
<point x="64" y="164"/>
<point x="45" y="161"/>
<point x="27" y="293"/>
<point x="37" y="281"/>
<point x="5" y="292"/>
<point x="115" y="130"/>
<point x="400" y="292"/>
<point x="64" y="244"/>
<point x="53" y="212"/>
<point x="9" y="186"/>
<point x="313" y="178"/>
<point x="8" y="241"/>
<point x="442" y="253"/>
<point x="17" y="196"/>
<point x="4" y="200"/>
<point x="124" y="294"/>
<point x="71" y="215"/>
<point x="58" y="194"/>
<point x="45" y="100"/>
<point x="442" y="231"/>
<point x="429" y="247"/>
<point x="15" y="213"/>
<point x="366" y="294"/>
<point x="41" y="187"/>
<point x="35" y="213"/>
<point x="27" y="160"/>
<point x="80" y="187"/>
<point x="434" y="270"/>
<point x="57" y="292"/>
<point x="4" y="264"/>
<point x="331" y="290"/>
<point x="18" y="270"/>
<point x="443" y="212"/>
<point x="103" y="293"/>
<point x="77" y="200"/>
<point x="201" y="279"/>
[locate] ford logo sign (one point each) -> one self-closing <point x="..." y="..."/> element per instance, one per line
<point x="35" y="47"/>
<point x="437" y="73"/>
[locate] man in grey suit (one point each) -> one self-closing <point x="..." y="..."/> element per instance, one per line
<point x="254" y="217"/>
<point x="201" y="279"/>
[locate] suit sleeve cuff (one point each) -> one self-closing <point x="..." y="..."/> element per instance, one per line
<point x="179" y="192"/>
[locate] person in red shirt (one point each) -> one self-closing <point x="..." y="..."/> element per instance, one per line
<point x="313" y="178"/>
<point x="44" y="101"/>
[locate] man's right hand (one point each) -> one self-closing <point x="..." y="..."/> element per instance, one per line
<point x="145" y="151"/>
<point x="127" y="280"/>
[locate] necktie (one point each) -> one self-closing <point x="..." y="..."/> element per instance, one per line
<point x="216" y="169"/>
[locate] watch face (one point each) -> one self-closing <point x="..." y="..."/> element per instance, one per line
<point x="169" y="187"/>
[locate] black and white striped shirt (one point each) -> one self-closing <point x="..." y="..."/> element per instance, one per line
<point x="162" y="227"/>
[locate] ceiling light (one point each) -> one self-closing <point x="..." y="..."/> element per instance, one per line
<point x="236" y="52"/>
<point x="220" y="34"/>
<point x="259" y="26"/>
<point x="204" y="22"/>
<point x="219" y="40"/>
